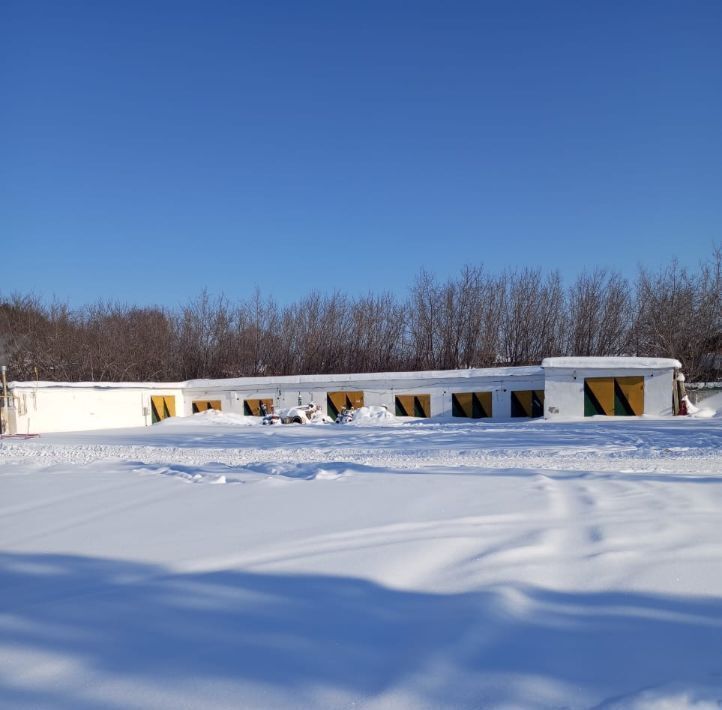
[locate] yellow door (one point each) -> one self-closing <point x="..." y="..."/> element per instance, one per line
<point x="252" y="407"/>
<point x="599" y="396"/>
<point x="483" y="404"/>
<point x="475" y="405"/>
<point x="521" y="403"/>
<point x="404" y="405"/>
<point x="413" y="405"/>
<point x="162" y="406"/>
<point x="202" y="405"/>
<point x="422" y="406"/>
<point x="629" y="396"/>
<point x="336" y="401"/>
<point x="527" y="403"/>
<point x="462" y="404"/>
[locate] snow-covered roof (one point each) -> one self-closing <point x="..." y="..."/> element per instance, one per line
<point x="100" y="385"/>
<point x="611" y="363"/>
<point x="270" y="382"/>
<point x="442" y="375"/>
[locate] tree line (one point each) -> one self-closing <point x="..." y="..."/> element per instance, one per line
<point x="474" y="319"/>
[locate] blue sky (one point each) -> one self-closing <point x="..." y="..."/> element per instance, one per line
<point x="150" y="149"/>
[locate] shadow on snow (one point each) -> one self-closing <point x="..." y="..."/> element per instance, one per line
<point x="299" y="634"/>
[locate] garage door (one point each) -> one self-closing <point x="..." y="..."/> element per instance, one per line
<point x="527" y="403"/>
<point x="202" y="405"/>
<point x="614" y="396"/>
<point x="336" y="401"/>
<point x="162" y="406"/>
<point x="252" y="407"/>
<point x="474" y="405"/>
<point x="413" y="405"/>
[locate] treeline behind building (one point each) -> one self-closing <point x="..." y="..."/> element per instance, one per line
<point x="476" y="319"/>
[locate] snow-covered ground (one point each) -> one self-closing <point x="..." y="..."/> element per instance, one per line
<point x="207" y="563"/>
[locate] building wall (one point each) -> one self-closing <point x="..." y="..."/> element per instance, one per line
<point x="563" y="394"/>
<point x="564" y="389"/>
<point x="290" y="396"/>
<point x="658" y="393"/>
<point x="229" y="401"/>
<point x="48" y="409"/>
<point x="376" y="392"/>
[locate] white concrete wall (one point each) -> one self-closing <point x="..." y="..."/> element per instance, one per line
<point x="376" y="393"/>
<point x="67" y="408"/>
<point x="563" y="394"/>
<point x="228" y="401"/>
<point x="378" y="389"/>
<point x="289" y="397"/>
<point x="564" y="389"/>
<point x="49" y="409"/>
<point x="658" y="393"/>
<point x="437" y="396"/>
<point x="379" y="398"/>
<point x="258" y="394"/>
<point x="236" y="398"/>
<point x="501" y="394"/>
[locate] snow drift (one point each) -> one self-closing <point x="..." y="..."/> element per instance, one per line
<point x="483" y="565"/>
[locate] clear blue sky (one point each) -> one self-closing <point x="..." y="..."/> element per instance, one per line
<point x="149" y="149"/>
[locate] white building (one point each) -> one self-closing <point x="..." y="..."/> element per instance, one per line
<point x="561" y="387"/>
<point x="608" y="386"/>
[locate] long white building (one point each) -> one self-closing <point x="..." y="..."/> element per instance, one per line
<point x="558" y="388"/>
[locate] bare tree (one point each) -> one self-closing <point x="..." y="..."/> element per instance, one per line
<point x="423" y="315"/>
<point x="375" y="341"/>
<point x="600" y="314"/>
<point x="474" y="319"/>
<point x="679" y="313"/>
<point x="531" y="316"/>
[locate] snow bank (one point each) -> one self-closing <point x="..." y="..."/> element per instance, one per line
<point x="707" y="407"/>
<point x="304" y="414"/>
<point x="680" y="445"/>
<point x="210" y="417"/>
<point x="219" y="473"/>
<point x="456" y="566"/>
<point x="365" y="416"/>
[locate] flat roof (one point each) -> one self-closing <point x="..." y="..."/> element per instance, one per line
<point x="611" y="363"/>
<point x="259" y="382"/>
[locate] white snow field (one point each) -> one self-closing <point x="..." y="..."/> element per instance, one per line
<point x="205" y="563"/>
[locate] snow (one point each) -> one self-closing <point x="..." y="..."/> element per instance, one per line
<point x="449" y="376"/>
<point x="372" y="416"/>
<point x="305" y="414"/>
<point x="611" y="363"/>
<point x="379" y="377"/>
<point x="712" y="404"/>
<point x="210" y="417"/>
<point x="49" y="384"/>
<point x="204" y="563"/>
